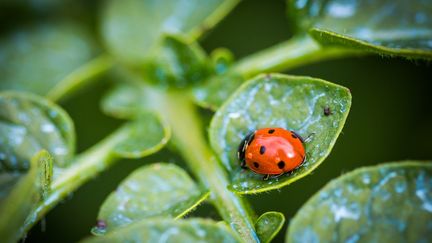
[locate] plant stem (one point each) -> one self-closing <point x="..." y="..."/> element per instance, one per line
<point x="84" y="167"/>
<point x="295" y="52"/>
<point x="80" y="77"/>
<point x="178" y="110"/>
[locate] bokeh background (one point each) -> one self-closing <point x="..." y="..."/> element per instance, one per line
<point x="390" y="120"/>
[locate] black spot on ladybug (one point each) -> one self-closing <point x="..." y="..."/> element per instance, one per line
<point x="294" y="135"/>
<point x="271" y="131"/>
<point x="256" y="165"/>
<point x="281" y="164"/>
<point x="262" y="149"/>
<point x="327" y="111"/>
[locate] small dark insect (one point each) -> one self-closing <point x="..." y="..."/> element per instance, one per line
<point x="101" y="224"/>
<point x="327" y="111"/>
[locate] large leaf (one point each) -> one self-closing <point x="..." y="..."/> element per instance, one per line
<point x="145" y="135"/>
<point x="394" y="27"/>
<point x="168" y="230"/>
<point x="291" y="102"/>
<point x="29" y="190"/>
<point x="132" y="27"/>
<point x="157" y="190"/>
<point x="35" y="58"/>
<point x="384" y="203"/>
<point x="177" y="62"/>
<point x="268" y="225"/>
<point x="29" y="123"/>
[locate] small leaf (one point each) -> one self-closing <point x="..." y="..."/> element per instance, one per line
<point x="15" y="208"/>
<point x="213" y="93"/>
<point x="35" y="58"/>
<point x="168" y="230"/>
<point x="291" y="102"/>
<point x="222" y="59"/>
<point x="144" y="136"/>
<point x="124" y="101"/>
<point x="401" y="28"/>
<point x="385" y="203"/>
<point x="132" y="27"/>
<point x="29" y="123"/>
<point x="176" y="62"/>
<point x="157" y="190"/>
<point x="268" y="225"/>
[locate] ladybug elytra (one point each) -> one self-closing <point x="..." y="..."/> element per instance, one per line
<point x="271" y="151"/>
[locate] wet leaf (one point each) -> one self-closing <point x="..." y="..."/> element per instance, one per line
<point x="385" y="203"/>
<point x="157" y="190"/>
<point x="168" y="230"/>
<point x="28" y="124"/>
<point x="131" y="28"/>
<point x="36" y="57"/>
<point x="268" y="225"/>
<point x="177" y="62"/>
<point x="28" y="191"/>
<point x="291" y="102"/>
<point x="401" y="28"/>
<point x="144" y="136"/>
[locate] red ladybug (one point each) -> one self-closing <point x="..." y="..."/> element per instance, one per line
<point x="271" y="151"/>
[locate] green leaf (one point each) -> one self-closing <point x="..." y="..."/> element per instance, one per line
<point x="168" y="230"/>
<point x="177" y="62"/>
<point x="268" y="225"/>
<point x="145" y="135"/>
<point x="391" y="27"/>
<point x="36" y="57"/>
<point x="385" y="203"/>
<point x="132" y="27"/>
<point x="29" y="190"/>
<point x="28" y="124"/>
<point x="213" y="93"/>
<point x="124" y="101"/>
<point x="275" y="100"/>
<point x="157" y="190"/>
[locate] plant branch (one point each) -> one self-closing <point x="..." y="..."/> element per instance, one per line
<point x="178" y="110"/>
<point x="295" y="52"/>
<point x="82" y="76"/>
<point x="84" y="167"/>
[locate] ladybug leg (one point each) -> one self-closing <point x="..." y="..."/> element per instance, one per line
<point x="309" y="138"/>
<point x="277" y="176"/>
<point x="266" y="177"/>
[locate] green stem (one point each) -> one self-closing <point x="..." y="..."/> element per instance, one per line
<point x="84" y="167"/>
<point x="80" y="77"/>
<point x="295" y="52"/>
<point x="178" y="110"/>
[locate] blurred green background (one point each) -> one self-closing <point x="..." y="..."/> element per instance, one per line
<point x="390" y="120"/>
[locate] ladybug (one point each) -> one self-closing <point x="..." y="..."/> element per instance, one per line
<point x="271" y="151"/>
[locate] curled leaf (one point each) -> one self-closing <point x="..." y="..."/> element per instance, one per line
<point x="29" y="190"/>
<point x="392" y="27"/>
<point x="291" y="102"/>
<point x="168" y="230"/>
<point x="385" y="203"/>
<point x="157" y="190"/>
<point x="268" y="225"/>
<point x="28" y="124"/>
